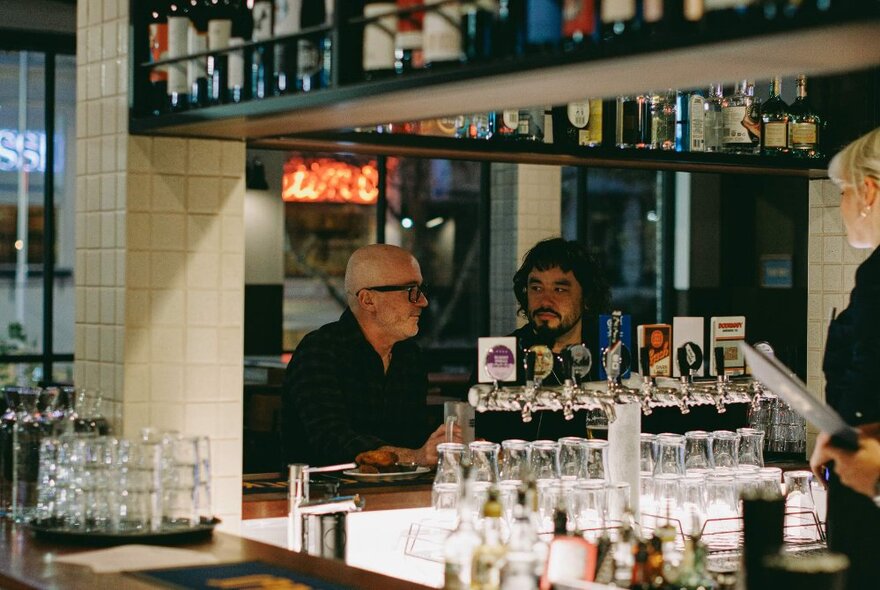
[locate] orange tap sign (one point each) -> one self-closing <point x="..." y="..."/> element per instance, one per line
<point x="324" y="180"/>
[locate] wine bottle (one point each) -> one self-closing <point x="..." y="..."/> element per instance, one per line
<point x="238" y="80"/>
<point x="408" y="53"/>
<point x="804" y="124"/>
<point x="633" y="121"/>
<point x="663" y="121"/>
<point x="313" y="53"/>
<point x="739" y="133"/>
<point x="286" y="22"/>
<point x="197" y="68"/>
<point x="713" y="123"/>
<point x="220" y="16"/>
<point x="488" y="556"/>
<point x="462" y="543"/>
<point x="157" y="37"/>
<point x="477" y="29"/>
<point x="579" y="24"/>
<point x="510" y="29"/>
<point x="690" y="122"/>
<point x="178" y="35"/>
<point x="441" y="33"/>
<point x="379" y="37"/>
<point x="261" y="57"/>
<point x="774" y="122"/>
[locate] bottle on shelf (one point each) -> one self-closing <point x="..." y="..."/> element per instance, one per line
<point x="461" y="544"/>
<point x="619" y="19"/>
<point x="441" y="33"/>
<point x="504" y="124"/>
<point x="197" y="68"/>
<point x="690" y="124"/>
<point x="488" y="556"/>
<point x="531" y="124"/>
<point x="741" y="127"/>
<point x="220" y="14"/>
<point x="157" y="37"/>
<point x="237" y="83"/>
<point x="286" y="21"/>
<point x="543" y="25"/>
<point x="477" y="29"/>
<point x="579" y="124"/>
<point x="633" y="122"/>
<point x="313" y="53"/>
<point x="579" y="26"/>
<point x="379" y="39"/>
<point x="693" y="572"/>
<point x="510" y="29"/>
<point x="693" y="16"/>
<point x="261" y="56"/>
<point x="178" y="35"/>
<point x="713" y="124"/>
<point x="408" y="40"/>
<point x="663" y="121"/>
<point x="519" y="571"/>
<point x="653" y="18"/>
<point x="804" y="124"/>
<point x="774" y="122"/>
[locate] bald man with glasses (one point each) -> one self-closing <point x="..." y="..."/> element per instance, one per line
<point x="359" y="384"/>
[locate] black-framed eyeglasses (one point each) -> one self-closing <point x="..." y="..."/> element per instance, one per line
<point x="413" y="292"/>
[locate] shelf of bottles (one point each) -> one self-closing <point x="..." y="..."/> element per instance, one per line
<point x="265" y="68"/>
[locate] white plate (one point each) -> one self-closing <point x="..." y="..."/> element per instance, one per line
<point x="355" y="474"/>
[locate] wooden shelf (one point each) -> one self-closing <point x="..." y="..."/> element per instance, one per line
<point x="535" y="80"/>
<point x="523" y="152"/>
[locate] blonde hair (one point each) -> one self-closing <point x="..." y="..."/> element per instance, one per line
<point x="857" y="160"/>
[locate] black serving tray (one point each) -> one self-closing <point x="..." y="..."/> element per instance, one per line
<point x="51" y="530"/>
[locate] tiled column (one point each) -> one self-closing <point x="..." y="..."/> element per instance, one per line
<point x="832" y="271"/>
<point x="526" y="208"/>
<point x="160" y="263"/>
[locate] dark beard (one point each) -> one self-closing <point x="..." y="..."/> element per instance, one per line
<point x="546" y="335"/>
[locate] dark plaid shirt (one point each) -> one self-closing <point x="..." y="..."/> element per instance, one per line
<point x="338" y="400"/>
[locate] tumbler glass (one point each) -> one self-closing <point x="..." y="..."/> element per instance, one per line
<point x="137" y="468"/>
<point x="617" y="501"/>
<point x="800" y="508"/>
<point x="647" y="501"/>
<point x="748" y="483"/>
<point x="573" y="457"/>
<point x="544" y="459"/>
<point x="751" y="447"/>
<point x="514" y="460"/>
<point x="670" y="454"/>
<point x="647" y="449"/>
<point x="692" y="511"/>
<point x="697" y="453"/>
<point x="725" y="445"/>
<point x="447" y="480"/>
<point x="770" y="481"/>
<point x="550" y="492"/>
<point x="484" y="461"/>
<point x="722" y="511"/>
<point x="597" y="459"/>
<point x="590" y="496"/>
<point x="180" y="483"/>
<point x="667" y="493"/>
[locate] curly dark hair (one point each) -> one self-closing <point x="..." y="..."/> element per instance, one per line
<point x="568" y="255"/>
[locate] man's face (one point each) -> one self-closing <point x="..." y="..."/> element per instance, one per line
<point x="555" y="303"/>
<point x="395" y="313"/>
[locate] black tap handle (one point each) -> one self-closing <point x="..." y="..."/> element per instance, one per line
<point x="684" y="366"/>
<point x="719" y="361"/>
<point x="645" y="361"/>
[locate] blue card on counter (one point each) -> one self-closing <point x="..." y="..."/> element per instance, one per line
<point x="605" y="339"/>
<point x="248" y="574"/>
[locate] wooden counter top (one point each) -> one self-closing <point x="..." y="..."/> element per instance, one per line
<point x="28" y="563"/>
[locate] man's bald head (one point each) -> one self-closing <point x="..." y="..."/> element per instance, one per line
<point x="378" y="264"/>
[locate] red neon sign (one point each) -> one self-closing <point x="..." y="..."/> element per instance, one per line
<point x="324" y="180"/>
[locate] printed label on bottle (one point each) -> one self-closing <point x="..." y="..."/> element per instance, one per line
<point x="446" y="126"/>
<point x="286" y="20"/>
<point x="696" y="121"/>
<point x="379" y="37"/>
<point x="236" y="65"/>
<point x="803" y="134"/>
<point x="595" y="124"/>
<point x="196" y="68"/>
<point x="218" y="33"/>
<point x="523" y="127"/>
<point x="578" y="19"/>
<point x="262" y="15"/>
<point x="158" y="33"/>
<point x="308" y="58"/>
<point x="579" y="114"/>
<point x="178" y="33"/>
<point x="442" y="35"/>
<point x="618" y="10"/>
<point x="733" y="130"/>
<point x="776" y="134"/>
<point x="510" y="119"/>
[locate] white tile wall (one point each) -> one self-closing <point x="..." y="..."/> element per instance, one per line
<point x="160" y="259"/>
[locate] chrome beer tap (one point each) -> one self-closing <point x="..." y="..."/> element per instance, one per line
<point x="649" y="384"/>
<point x="722" y="382"/>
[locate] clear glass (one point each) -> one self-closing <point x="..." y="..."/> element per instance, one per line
<point x="663" y="121"/>
<point x="29" y="430"/>
<point x="573" y="457"/>
<point x="770" y="481"/>
<point x="713" y="121"/>
<point x="725" y="449"/>
<point x="670" y="454"/>
<point x="647" y="450"/>
<point x="697" y="452"/>
<point x="748" y="483"/>
<point x="667" y="493"/>
<point x="597" y="459"/>
<point x="590" y="506"/>
<point x="647" y="501"/>
<point x="617" y="501"/>
<point x="484" y="461"/>
<point x="741" y="129"/>
<point x="751" y="447"/>
<point x="514" y="459"/>
<point x="447" y="481"/>
<point x="545" y="459"/>
<point x="800" y="507"/>
<point x="550" y="492"/>
<point x="691" y="512"/>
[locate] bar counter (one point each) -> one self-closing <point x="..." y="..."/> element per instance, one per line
<point x="29" y="563"/>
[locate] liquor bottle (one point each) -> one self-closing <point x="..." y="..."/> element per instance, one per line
<point x="640" y="579"/>
<point x="197" y="68"/>
<point x="654" y="564"/>
<point x="441" y="34"/>
<point x="713" y="123"/>
<point x="663" y="121"/>
<point x="460" y="545"/>
<point x="519" y="571"/>
<point x="690" y="122"/>
<point x="618" y="19"/>
<point x="477" y="29"/>
<point x="633" y="122"/>
<point x="804" y="124"/>
<point x="504" y="124"/>
<point x="408" y="41"/>
<point x="313" y="53"/>
<point x="692" y="572"/>
<point x="178" y="35"/>
<point x="774" y="122"/>
<point x="220" y="14"/>
<point x="531" y="124"/>
<point x="579" y="124"/>
<point x="543" y="25"/>
<point x="261" y="57"/>
<point x="237" y="83"/>
<point x="579" y="23"/>
<point x="285" y="22"/>
<point x="489" y="554"/>
<point x="379" y="38"/>
<point x="739" y="135"/>
<point x="157" y="36"/>
<point x="510" y="29"/>
<point x="624" y="550"/>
